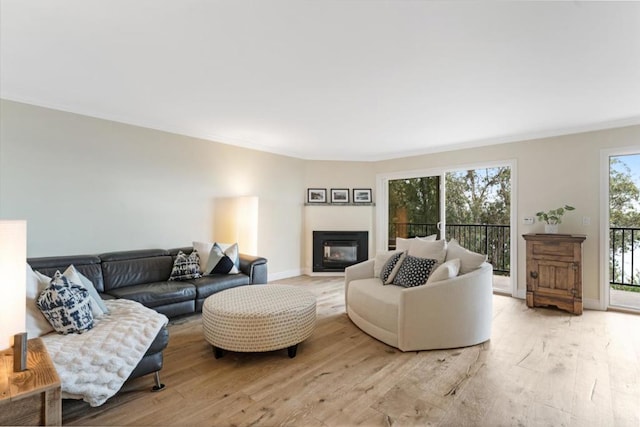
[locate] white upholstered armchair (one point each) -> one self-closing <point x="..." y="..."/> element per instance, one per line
<point x="451" y="313"/>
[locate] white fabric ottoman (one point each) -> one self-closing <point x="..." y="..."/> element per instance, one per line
<point x="258" y="318"/>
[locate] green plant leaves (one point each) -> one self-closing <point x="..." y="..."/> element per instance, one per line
<point x="554" y="216"/>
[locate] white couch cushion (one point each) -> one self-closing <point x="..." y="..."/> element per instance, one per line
<point x="447" y="270"/>
<point x="426" y="249"/>
<point x="380" y="260"/>
<point x="37" y="324"/>
<point x="377" y="303"/>
<point x="469" y="260"/>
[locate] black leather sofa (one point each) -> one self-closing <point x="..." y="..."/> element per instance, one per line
<point x="142" y="276"/>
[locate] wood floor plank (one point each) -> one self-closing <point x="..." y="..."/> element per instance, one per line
<point x="542" y="367"/>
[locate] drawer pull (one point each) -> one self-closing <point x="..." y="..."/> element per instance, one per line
<point x="534" y="274"/>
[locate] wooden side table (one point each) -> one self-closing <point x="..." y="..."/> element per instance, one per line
<point x="31" y="397"/>
<point x="554" y="271"/>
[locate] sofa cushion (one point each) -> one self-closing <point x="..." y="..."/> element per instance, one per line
<point x="377" y="303"/>
<point x="444" y="271"/>
<point x="127" y="268"/>
<point x="157" y="293"/>
<point x="88" y="265"/>
<point x="37" y="323"/>
<point x="469" y="260"/>
<point x="185" y="266"/>
<point x="66" y="306"/>
<point x="209" y="285"/>
<point x="414" y="271"/>
<point x="429" y="249"/>
<point x="381" y="259"/>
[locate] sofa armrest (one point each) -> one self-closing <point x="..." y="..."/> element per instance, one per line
<point x="255" y="267"/>
<point x="448" y="314"/>
<point x="362" y="270"/>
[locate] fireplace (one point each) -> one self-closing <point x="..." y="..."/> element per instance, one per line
<point x="333" y="251"/>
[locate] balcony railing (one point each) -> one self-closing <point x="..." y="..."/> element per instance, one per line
<point x="624" y="268"/>
<point x="490" y="239"/>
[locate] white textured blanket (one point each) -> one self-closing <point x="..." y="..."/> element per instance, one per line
<point x="93" y="366"/>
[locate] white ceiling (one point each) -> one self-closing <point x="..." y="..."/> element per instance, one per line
<point x="330" y="79"/>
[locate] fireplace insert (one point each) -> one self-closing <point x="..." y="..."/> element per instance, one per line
<point x="333" y="251"/>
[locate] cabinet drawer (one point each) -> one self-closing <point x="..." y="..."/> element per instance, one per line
<point x="552" y="250"/>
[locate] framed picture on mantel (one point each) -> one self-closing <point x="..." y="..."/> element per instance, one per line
<point x="361" y="195"/>
<point x="339" y="195"/>
<point x="316" y="195"/>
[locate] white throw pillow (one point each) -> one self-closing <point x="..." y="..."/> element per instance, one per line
<point x="204" y="249"/>
<point x="37" y="324"/>
<point x="403" y="244"/>
<point x="380" y="260"/>
<point x="425" y="249"/>
<point x="469" y="260"/>
<point x="429" y="238"/>
<point x="447" y="270"/>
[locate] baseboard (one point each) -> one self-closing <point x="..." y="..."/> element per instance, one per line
<point x="592" y="304"/>
<point x="336" y="274"/>
<point x="284" y="275"/>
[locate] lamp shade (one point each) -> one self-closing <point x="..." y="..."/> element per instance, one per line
<point x="13" y="278"/>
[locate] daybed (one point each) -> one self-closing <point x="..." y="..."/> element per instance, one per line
<point x="449" y="313"/>
<point x="142" y="276"/>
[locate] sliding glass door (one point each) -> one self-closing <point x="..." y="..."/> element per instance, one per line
<point x="472" y="205"/>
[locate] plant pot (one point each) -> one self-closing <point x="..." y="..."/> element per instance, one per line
<point x="551" y="228"/>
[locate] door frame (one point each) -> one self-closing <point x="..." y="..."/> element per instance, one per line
<point x="382" y="205"/>
<point x="605" y="155"/>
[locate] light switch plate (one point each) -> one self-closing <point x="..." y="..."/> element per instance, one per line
<point x="527" y="220"/>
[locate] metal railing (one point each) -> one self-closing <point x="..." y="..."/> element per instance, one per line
<point x="623" y="268"/>
<point x="490" y="239"/>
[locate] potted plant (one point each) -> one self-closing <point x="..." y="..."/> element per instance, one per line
<point x="552" y="218"/>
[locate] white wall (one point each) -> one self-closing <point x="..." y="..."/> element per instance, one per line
<point x="88" y="185"/>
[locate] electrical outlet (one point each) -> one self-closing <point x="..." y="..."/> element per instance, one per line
<point x="528" y="220"/>
<point x="586" y="220"/>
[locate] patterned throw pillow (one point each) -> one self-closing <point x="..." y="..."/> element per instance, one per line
<point x="224" y="259"/>
<point x="186" y="267"/>
<point x="414" y="271"/>
<point x="66" y="306"/>
<point x="391" y="267"/>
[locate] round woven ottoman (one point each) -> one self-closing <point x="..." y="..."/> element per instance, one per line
<point x="258" y="318"/>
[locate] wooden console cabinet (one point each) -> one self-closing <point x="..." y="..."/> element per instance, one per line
<point x="554" y="271"/>
<point x="31" y="397"/>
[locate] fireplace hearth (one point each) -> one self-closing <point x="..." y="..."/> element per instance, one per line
<point x="333" y="251"/>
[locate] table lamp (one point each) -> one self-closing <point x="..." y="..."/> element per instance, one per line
<point x="13" y="278"/>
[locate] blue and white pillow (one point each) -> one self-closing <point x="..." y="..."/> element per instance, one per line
<point x="66" y="306"/>
<point x="223" y="259"/>
<point x="414" y="271"/>
<point x="186" y="267"/>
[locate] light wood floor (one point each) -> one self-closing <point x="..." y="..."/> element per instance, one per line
<point x="542" y="367"/>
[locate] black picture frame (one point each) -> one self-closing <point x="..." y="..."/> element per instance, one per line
<point x="362" y="195"/>
<point x="316" y="195"/>
<point x="339" y="195"/>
